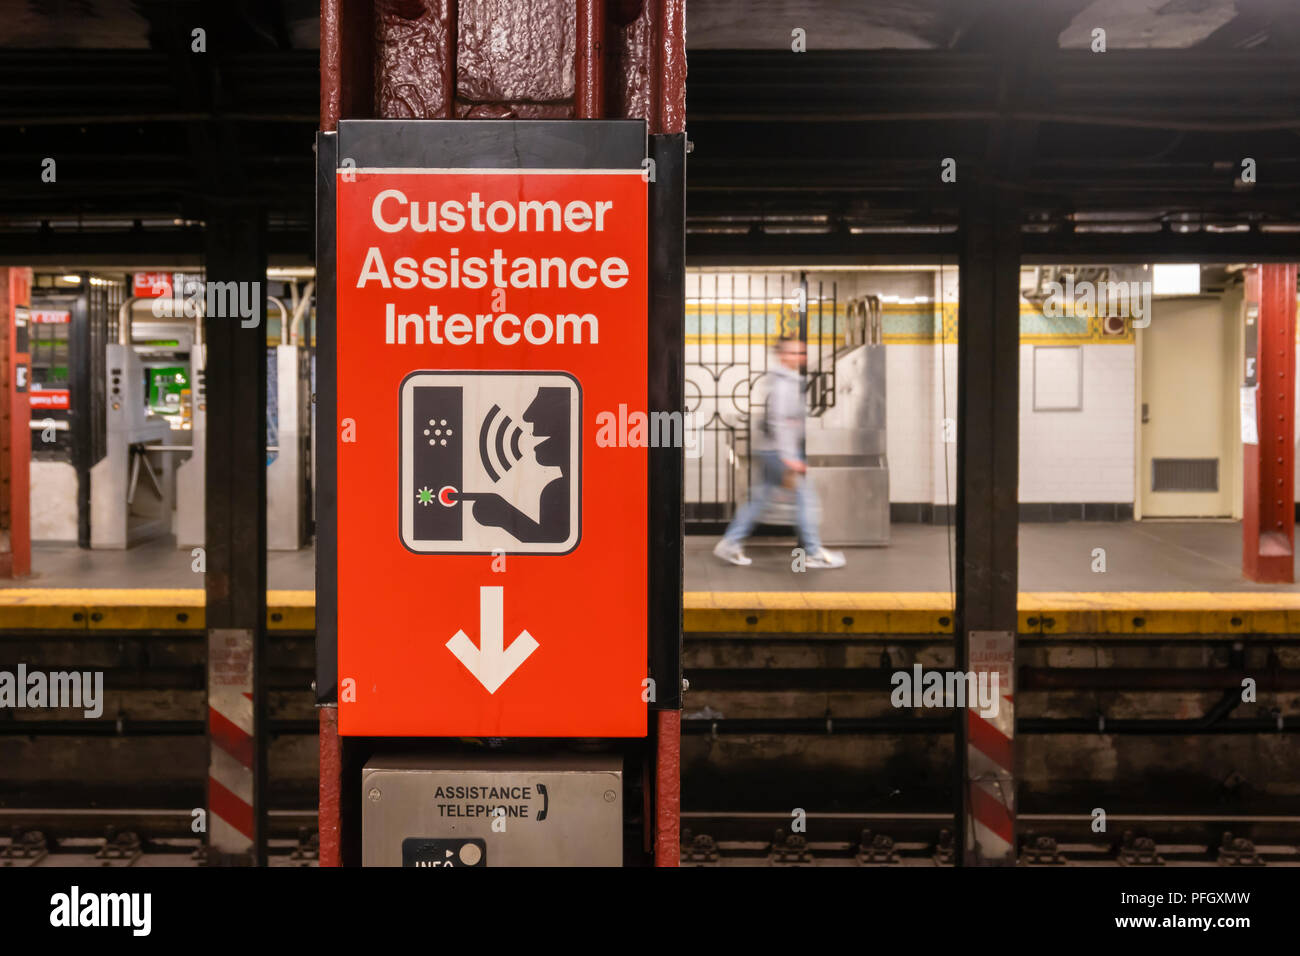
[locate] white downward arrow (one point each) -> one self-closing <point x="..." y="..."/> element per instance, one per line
<point x="491" y="662"/>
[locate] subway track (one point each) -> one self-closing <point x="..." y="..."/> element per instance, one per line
<point x="96" y="837"/>
<point x="925" y="839"/>
<point x="788" y="706"/>
<point x="912" y="842"/>
<point x="88" y="837"/>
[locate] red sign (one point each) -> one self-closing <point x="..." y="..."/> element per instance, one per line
<point x="48" y="397"/>
<point x="491" y="553"/>
<point x="151" y="285"/>
<point x="47" y="317"/>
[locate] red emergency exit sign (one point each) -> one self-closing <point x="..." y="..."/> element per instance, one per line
<point x="491" y="555"/>
<point x="151" y="285"/>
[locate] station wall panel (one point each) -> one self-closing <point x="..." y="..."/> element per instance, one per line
<point x="1085" y="455"/>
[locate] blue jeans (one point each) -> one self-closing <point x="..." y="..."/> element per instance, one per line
<point x="770" y="474"/>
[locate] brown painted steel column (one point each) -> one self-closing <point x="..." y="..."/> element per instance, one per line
<point x="329" y="64"/>
<point x="347" y="90"/>
<point x="437" y="59"/>
<point x="1268" y="462"/>
<point x="416" y="53"/>
<point x="988" y="375"/>
<point x="670" y="43"/>
<point x="329" y="818"/>
<point x="448" y="24"/>
<point x="235" y="529"/>
<point x="589" y="61"/>
<point x="668" y="116"/>
<point x="346" y="60"/>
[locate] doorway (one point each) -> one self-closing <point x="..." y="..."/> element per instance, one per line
<point x="1187" y="429"/>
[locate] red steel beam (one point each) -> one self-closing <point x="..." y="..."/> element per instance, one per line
<point x="331" y="779"/>
<point x="1268" y="504"/>
<point x="668" y="788"/>
<point x="15" y="427"/>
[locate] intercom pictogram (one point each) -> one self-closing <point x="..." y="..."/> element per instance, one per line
<point x="491" y="462"/>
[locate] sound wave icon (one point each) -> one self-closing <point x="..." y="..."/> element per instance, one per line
<point x="487" y="442"/>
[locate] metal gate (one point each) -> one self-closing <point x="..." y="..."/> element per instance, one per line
<point x="732" y="321"/>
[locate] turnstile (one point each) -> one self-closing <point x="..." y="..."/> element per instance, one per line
<point x="287" y="470"/>
<point x="131" y="487"/>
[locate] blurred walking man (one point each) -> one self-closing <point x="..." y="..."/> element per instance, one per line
<point x="779" y="446"/>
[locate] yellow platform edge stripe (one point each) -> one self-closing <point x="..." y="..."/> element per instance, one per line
<point x="137" y="609"/>
<point x="760" y="612"/>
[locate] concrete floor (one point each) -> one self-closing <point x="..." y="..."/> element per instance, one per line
<point x="154" y="564"/>
<point x="1140" y="556"/>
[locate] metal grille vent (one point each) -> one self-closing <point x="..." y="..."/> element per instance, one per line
<point x="1184" y="474"/>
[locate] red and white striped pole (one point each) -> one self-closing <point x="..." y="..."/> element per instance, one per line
<point x="232" y="822"/>
<point x="990" y="802"/>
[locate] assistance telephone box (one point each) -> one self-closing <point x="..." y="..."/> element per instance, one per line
<point x="491" y="308"/>
<point x="499" y="810"/>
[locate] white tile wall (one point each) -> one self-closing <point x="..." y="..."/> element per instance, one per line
<point x="1086" y="455"/>
<point x="944" y="399"/>
<point x="914" y="416"/>
<point x="910" y="421"/>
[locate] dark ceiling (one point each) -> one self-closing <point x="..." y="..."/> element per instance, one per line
<point x="836" y="150"/>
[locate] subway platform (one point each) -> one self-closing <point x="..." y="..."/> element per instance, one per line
<point x="1159" y="578"/>
<point x="1137" y="556"/>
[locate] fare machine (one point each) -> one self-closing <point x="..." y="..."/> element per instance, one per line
<point x="287" y="453"/>
<point x="189" y="473"/>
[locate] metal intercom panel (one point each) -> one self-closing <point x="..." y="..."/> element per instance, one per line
<point x="507" y="810"/>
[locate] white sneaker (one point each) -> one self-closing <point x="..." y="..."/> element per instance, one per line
<point x="732" y="553"/>
<point x="824" y="559"/>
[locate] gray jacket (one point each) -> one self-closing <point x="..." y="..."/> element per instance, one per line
<point x="784" y="414"/>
